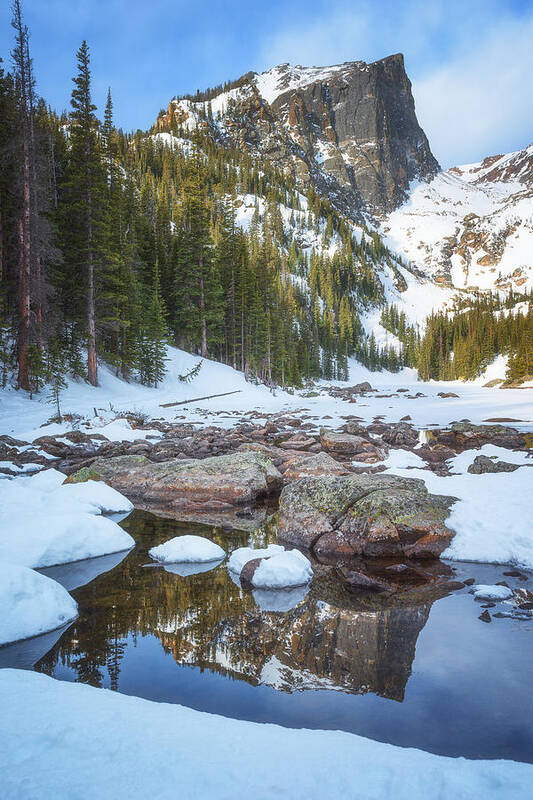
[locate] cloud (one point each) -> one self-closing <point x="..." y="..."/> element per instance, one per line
<point x="480" y="103"/>
<point x="470" y="63"/>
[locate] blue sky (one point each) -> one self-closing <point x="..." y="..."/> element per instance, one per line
<point x="470" y="62"/>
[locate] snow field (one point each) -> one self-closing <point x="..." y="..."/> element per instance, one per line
<point x="71" y="740"/>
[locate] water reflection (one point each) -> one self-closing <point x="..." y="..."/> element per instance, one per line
<point x="291" y="640"/>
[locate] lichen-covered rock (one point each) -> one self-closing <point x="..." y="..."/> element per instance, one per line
<point x="191" y="484"/>
<point x="364" y="515"/>
<point x="83" y="475"/>
<point x="313" y="466"/>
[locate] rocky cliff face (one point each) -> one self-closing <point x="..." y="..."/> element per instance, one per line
<point x="350" y="130"/>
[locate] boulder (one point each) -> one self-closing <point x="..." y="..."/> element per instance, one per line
<point x="400" y="435"/>
<point x="483" y="464"/>
<point x="313" y="466"/>
<point x="191" y="484"/>
<point x="364" y="515"/>
<point x="344" y="444"/>
<point x="465" y="435"/>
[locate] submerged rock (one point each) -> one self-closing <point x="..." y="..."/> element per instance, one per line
<point x="218" y="482"/>
<point x="365" y="515"/>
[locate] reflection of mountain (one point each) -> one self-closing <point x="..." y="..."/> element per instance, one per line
<point x="314" y="646"/>
<point x="328" y="639"/>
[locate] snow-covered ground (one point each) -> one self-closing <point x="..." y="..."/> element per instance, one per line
<point x="22" y="418"/>
<point x="66" y="740"/>
<point x="487" y="210"/>
<point x="44" y="522"/>
<point x="492" y="519"/>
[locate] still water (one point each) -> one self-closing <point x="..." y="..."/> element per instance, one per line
<point x="417" y="669"/>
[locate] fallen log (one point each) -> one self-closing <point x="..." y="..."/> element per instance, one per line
<point x="197" y="399"/>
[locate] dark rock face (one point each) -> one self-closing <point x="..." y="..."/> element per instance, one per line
<point x="350" y="130"/>
<point x="366" y="114"/>
<point x="364" y="515"/>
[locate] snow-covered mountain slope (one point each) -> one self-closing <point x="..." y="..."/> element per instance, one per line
<point x="471" y="226"/>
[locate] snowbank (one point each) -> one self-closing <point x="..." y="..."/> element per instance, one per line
<point x="283" y="571"/>
<point x="492" y="518"/>
<point x="31" y="604"/>
<point x="44" y="522"/>
<point x="71" y="740"/>
<point x="187" y="549"/>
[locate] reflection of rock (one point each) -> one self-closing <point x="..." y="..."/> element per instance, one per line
<point x="317" y="645"/>
<point x="79" y="573"/>
<point x="186" y="569"/>
<point x="279" y="599"/>
<point x="359" y="652"/>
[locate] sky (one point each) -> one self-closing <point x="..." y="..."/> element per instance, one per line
<point x="470" y="61"/>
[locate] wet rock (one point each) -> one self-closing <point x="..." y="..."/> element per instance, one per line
<point x="248" y="572"/>
<point x="211" y="483"/>
<point x="484" y="464"/>
<point x="364" y="515"/>
<point x="485" y="617"/>
<point x="445" y="395"/>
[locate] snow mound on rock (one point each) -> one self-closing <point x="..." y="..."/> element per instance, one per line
<point x="282" y="571"/>
<point x="486" y="592"/>
<point x="31" y="604"/>
<point x="187" y="549"/>
<point x="242" y="555"/>
<point x="45" y="522"/>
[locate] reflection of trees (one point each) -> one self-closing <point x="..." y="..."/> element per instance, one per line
<point x="331" y="640"/>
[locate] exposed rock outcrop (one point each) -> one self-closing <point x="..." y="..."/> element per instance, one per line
<point x="218" y="482"/>
<point x="364" y="515"/>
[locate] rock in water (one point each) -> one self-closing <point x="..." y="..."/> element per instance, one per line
<point x="192" y="484"/>
<point x="365" y="515"/>
<point x="187" y="550"/>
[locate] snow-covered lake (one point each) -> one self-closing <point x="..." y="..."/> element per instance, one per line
<point x="418" y="669"/>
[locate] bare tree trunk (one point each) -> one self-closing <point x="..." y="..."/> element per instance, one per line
<point x="34" y="219"/>
<point x="202" y="311"/>
<point x="24" y="221"/>
<point x="92" y="374"/>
